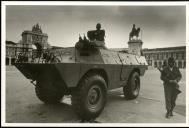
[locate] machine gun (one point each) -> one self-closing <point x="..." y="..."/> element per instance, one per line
<point x="177" y="91"/>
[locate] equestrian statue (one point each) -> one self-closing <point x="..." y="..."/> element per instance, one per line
<point x="134" y="32"/>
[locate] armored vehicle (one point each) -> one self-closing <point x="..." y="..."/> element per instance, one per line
<point x="86" y="72"/>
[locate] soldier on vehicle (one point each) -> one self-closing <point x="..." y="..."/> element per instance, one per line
<point x="99" y="34"/>
<point x="170" y="75"/>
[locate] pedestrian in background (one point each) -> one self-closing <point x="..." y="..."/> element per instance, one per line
<point x="170" y="76"/>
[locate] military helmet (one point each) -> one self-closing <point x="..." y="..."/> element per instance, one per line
<point x="171" y="60"/>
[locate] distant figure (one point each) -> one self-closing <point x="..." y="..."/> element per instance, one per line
<point x="170" y="75"/>
<point x="20" y="58"/>
<point x="134" y="32"/>
<point x="97" y="34"/>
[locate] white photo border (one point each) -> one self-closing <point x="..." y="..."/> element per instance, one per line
<point x="79" y="3"/>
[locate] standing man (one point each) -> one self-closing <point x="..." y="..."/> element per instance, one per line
<point x="170" y="76"/>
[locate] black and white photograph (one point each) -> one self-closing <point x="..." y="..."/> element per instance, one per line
<point x="94" y="63"/>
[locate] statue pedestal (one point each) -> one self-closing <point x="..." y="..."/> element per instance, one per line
<point x="135" y="47"/>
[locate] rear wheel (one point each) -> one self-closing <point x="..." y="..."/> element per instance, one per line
<point x="89" y="98"/>
<point x="132" y="89"/>
<point x="48" y="95"/>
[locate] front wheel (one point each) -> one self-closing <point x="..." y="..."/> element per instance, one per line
<point x="89" y="98"/>
<point x="47" y="95"/>
<point x="131" y="90"/>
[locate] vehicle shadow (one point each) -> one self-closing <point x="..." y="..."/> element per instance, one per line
<point x="52" y="113"/>
<point x="58" y="113"/>
<point x="68" y="113"/>
<point x="63" y="112"/>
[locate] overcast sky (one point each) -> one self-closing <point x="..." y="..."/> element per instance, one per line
<point x="162" y="26"/>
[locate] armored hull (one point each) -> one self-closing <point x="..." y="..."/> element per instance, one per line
<point x="85" y="73"/>
<point x="116" y="66"/>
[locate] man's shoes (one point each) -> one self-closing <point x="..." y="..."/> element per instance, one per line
<point x="167" y="115"/>
<point x="171" y="113"/>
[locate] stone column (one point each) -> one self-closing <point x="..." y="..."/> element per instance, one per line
<point x="157" y="63"/>
<point x="9" y="61"/>
<point x="182" y="63"/>
<point x="176" y="63"/>
<point x="152" y="63"/>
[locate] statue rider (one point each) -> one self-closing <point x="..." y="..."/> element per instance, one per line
<point x="134" y="32"/>
<point x="133" y="29"/>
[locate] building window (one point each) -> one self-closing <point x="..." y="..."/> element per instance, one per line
<point x="155" y="64"/>
<point x="165" y="62"/>
<point x="149" y="62"/>
<point x="174" y="55"/>
<point x="161" y="56"/>
<point x="150" y="56"/>
<point x="160" y="64"/>
<point x="146" y="56"/>
<point x="182" y="55"/>
<point x="177" y="55"/>
<point x="167" y="55"/>
<point x="176" y="64"/>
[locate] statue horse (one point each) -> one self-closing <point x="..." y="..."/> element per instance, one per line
<point x="134" y="33"/>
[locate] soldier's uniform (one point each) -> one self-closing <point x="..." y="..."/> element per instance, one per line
<point x="170" y="89"/>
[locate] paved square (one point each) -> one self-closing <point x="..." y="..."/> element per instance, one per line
<point x="22" y="105"/>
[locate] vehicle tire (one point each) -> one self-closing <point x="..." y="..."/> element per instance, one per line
<point x="89" y="98"/>
<point x="131" y="90"/>
<point x="48" y="95"/>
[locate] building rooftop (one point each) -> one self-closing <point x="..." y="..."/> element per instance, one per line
<point x="165" y="48"/>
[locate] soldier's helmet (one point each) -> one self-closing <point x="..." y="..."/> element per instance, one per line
<point x="98" y="26"/>
<point x="171" y="60"/>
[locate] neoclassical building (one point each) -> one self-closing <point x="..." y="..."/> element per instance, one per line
<point x="37" y="38"/>
<point x="155" y="57"/>
<point x="30" y="39"/>
<point x="10" y="52"/>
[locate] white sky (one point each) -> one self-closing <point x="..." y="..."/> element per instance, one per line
<point x="162" y="26"/>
